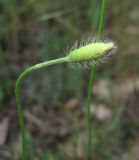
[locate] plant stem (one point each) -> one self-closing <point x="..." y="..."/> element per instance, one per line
<point x="91" y="81"/>
<point x="18" y="97"/>
<point x="102" y="19"/>
<point x="88" y="114"/>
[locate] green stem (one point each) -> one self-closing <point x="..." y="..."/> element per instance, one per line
<point x="18" y="97"/>
<point x="102" y="19"/>
<point x="88" y="114"/>
<point x="91" y="81"/>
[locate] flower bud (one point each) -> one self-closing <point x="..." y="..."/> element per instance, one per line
<point x="91" y="52"/>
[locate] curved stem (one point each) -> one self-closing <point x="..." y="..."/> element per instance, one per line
<point x="18" y="97"/>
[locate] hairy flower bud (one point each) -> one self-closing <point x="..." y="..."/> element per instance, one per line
<point x="91" y="52"/>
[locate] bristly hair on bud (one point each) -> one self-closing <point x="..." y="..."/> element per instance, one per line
<point x="91" y="52"/>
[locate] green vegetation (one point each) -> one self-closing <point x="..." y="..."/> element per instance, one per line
<point x="88" y="53"/>
<point x="92" y="77"/>
<point x="59" y="115"/>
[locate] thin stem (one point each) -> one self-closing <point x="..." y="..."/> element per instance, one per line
<point x="91" y="82"/>
<point x="88" y="114"/>
<point x="102" y="19"/>
<point x="18" y="97"/>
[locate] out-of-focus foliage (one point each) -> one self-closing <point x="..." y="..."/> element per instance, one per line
<point x="33" y="31"/>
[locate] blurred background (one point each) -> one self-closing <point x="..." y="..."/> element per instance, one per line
<point x="54" y="98"/>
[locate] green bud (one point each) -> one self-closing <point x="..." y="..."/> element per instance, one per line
<point x="91" y="52"/>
